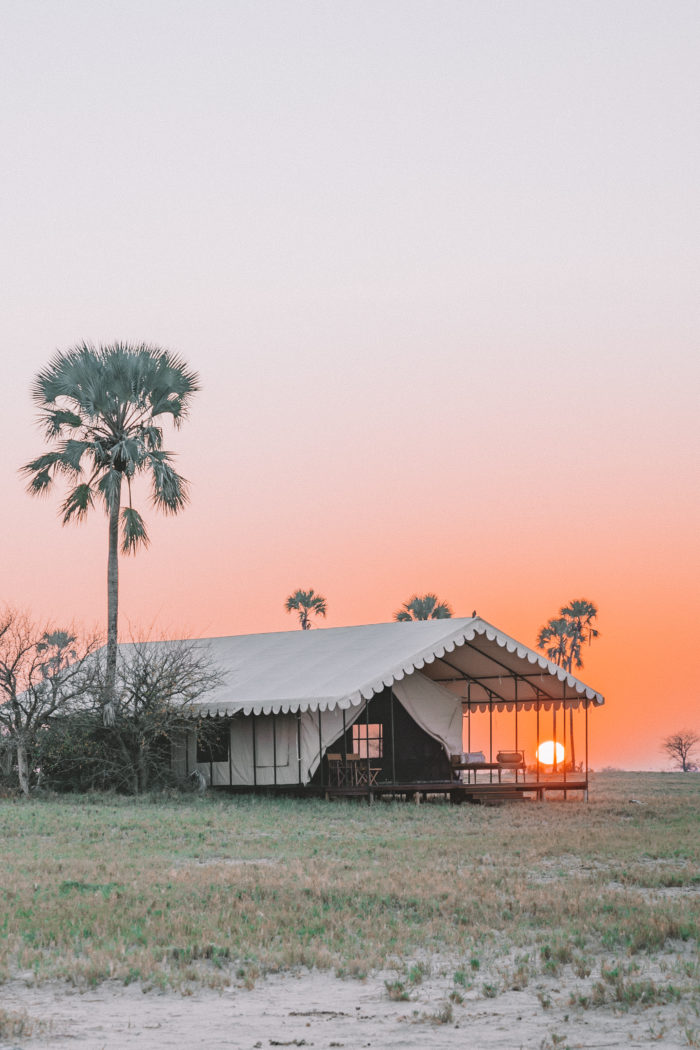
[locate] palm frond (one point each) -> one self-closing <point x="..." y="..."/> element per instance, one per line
<point x="169" y="491"/>
<point x="172" y="387"/>
<point x="77" y="503"/>
<point x="40" y="483"/>
<point x="45" y="461"/>
<point x="64" y="377"/>
<point x="134" y="533"/>
<point x="55" y="420"/>
<point x="71" y="454"/>
<point x="318" y="603"/>
<point x="152" y="437"/>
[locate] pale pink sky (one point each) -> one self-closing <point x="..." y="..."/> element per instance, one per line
<point x="437" y="264"/>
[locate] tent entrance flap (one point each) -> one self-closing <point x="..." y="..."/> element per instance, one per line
<point x="435" y="709"/>
<point x="314" y="748"/>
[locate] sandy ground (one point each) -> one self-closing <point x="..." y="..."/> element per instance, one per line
<point x="318" y="1010"/>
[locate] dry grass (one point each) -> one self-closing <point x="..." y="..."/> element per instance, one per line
<point x="17" y="1024"/>
<point x="188" y="891"/>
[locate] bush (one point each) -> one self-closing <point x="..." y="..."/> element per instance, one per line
<point x="158" y="683"/>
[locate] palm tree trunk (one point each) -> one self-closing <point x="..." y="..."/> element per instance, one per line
<point x="109" y="706"/>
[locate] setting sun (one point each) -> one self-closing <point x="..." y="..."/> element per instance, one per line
<point x="546" y="752"/>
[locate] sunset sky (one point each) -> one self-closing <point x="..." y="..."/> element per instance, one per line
<point x="437" y="266"/>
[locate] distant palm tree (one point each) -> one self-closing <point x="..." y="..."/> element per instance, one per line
<point x="304" y="603"/>
<point x="554" y="639"/>
<point x="579" y="615"/>
<point x="424" y="607"/>
<point x="101" y="408"/>
<point x="562" y="638"/>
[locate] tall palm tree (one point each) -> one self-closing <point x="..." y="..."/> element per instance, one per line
<point x="304" y="603"/>
<point x="423" y="607"/>
<point x="102" y="410"/>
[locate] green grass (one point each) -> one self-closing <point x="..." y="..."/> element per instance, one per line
<point x="183" y="891"/>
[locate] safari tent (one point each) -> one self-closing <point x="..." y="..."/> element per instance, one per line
<point x="449" y="706"/>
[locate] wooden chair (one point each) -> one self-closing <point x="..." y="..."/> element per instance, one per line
<point x="365" y="776"/>
<point x="353" y="774"/>
<point x="336" y="769"/>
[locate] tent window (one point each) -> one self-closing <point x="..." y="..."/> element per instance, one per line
<point x="213" y="743"/>
<point x="367" y="740"/>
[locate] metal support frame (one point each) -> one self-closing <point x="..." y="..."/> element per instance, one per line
<point x="469" y="679"/>
<point x="585" y="707"/>
<point x="345" y="741"/>
<point x="274" y="748"/>
<point x="523" y="678"/>
<point x="393" y="737"/>
<point x="537" y="749"/>
<point x="572" y="746"/>
<point x="563" y="718"/>
<point x="469" y="725"/>
<point x="369" y="775"/>
<point x="255" y="752"/>
<point x="299" y="747"/>
<point x="490" y="738"/>
<point x="211" y="769"/>
<point x="515" y="693"/>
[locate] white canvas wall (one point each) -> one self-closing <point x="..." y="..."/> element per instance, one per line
<point x="286" y="740"/>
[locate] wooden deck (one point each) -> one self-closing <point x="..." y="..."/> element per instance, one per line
<point x="481" y="791"/>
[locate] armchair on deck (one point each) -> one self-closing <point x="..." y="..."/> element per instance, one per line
<point x="513" y="760"/>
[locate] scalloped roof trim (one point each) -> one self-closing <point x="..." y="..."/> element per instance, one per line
<point x="476" y="628"/>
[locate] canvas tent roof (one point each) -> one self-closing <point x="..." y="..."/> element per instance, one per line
<point x="340" y="667"/>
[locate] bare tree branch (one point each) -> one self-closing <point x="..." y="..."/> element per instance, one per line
<point x="43" y="671"/>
